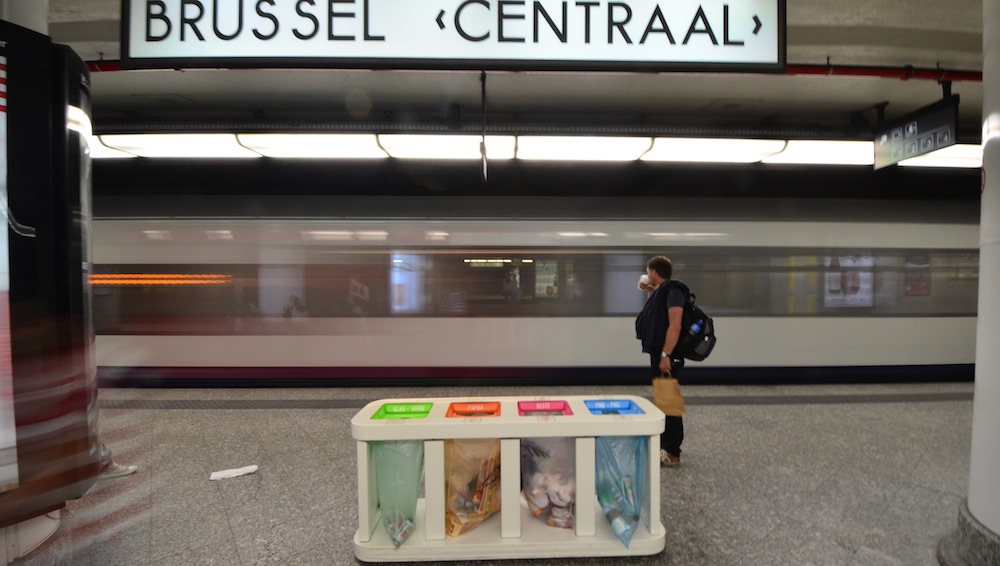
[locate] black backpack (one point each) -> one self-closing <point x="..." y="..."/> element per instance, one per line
<point x="697" y="329"/>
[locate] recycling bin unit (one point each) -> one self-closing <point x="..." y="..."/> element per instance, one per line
<point x="514" y="533"/>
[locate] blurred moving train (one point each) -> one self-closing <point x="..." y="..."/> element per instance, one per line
<point x="801" y="291"/>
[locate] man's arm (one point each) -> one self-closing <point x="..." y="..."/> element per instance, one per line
<point x="674" y="315"/>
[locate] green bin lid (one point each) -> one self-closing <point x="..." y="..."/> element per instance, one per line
<point x="402" y="411"/>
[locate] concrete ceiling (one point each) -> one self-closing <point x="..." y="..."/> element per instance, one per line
<point x="883" y="34"/>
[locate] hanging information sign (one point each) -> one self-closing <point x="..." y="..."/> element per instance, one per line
<point x="928" y="129"/>
<point x="712" y="35"/>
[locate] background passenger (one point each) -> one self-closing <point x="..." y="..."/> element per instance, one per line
<point x="659" y="327"/>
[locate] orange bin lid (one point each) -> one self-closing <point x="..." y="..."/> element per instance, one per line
<point x="474" y="409"/>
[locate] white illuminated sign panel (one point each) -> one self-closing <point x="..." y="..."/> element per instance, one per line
<point x="456" y="34"/>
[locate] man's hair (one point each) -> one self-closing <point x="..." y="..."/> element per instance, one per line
<point x="661" y="265"/>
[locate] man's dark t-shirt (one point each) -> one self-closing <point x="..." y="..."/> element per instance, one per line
<point x="651" y="324"/>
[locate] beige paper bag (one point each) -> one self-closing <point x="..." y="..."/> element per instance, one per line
<point x="667" y="396"/>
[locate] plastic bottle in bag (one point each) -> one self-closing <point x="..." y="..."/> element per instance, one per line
<point x="399" y="470"/>
<point x="620" y="461"/>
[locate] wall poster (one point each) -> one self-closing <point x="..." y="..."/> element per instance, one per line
<point x="849" y="281"/>
<point x="918" y="276"/>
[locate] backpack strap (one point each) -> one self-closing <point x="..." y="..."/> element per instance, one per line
<point x="678" y="284"/>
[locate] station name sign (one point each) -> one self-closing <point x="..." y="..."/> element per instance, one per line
<point x="711" y="35"/>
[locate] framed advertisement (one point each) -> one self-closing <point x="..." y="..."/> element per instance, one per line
<point x="849" y="281"/>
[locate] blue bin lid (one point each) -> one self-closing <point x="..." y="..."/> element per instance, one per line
<point x="613" y="407"/>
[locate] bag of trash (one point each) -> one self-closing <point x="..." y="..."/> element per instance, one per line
<point x="399" y="471"/>
<point x="472" y="488"/>
<point x="548" y="479"/>
<point x="621" y="461"/>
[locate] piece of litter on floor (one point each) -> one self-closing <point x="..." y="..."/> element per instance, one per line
<point x="233" y="473"/>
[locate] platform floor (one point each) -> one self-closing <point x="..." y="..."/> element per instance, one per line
<point x="828" y="475"/>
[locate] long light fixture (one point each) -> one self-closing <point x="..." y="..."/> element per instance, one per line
<point x="314" y="146"/>
<point x="524" y="147"/>
<point x="216" y="146"/>
<point x="955" y="156"/>
<point x="581" y="148"/>
<point x="712" y="150"/>
<point x="416" y="146"/>
<point x="824" y="152"/>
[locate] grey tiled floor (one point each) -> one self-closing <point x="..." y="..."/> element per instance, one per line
<point x="838" y="475"/>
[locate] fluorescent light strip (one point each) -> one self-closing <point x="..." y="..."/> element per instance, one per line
<point x="687" y="234"/>
<point x="957" y="156"/>
<point x="327" y="235"/>
<point x="415" y="146"/>
<point x="552" y="148"/>
<point x="314" y="146"/>
<point x="219" y="234"/>
<point x="581" y="234"/>
<point x="157" y="235"/>
<point x="712" y="150"/>
<point x="824" y="152"/>
<point x="213" y="146"/>
<point x="373" y="235"/>
<point x="581" y="148"/>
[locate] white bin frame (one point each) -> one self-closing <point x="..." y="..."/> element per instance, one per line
<point x="515" y="533"/>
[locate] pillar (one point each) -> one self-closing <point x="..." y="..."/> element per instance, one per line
<point x="976" y="542"/>
<point x="31" y="14"/>
<point x="21" y="538"/>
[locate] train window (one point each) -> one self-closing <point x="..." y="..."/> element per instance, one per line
<point x="331" y="292"/>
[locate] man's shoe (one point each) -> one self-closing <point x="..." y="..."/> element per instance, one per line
<point x="668" y="459"/>
<point x="115" y="470"/>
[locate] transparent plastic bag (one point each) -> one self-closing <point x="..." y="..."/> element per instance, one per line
<point x="621" y="461"/>
<point x="548" y="479"/>
<point x="472" y="488"/>
<point x="399" y="471"/>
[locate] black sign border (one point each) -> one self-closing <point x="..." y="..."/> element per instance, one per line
<point x="130" y="63"/>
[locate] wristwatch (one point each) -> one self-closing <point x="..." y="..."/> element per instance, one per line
<point x="663" y="354"/>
